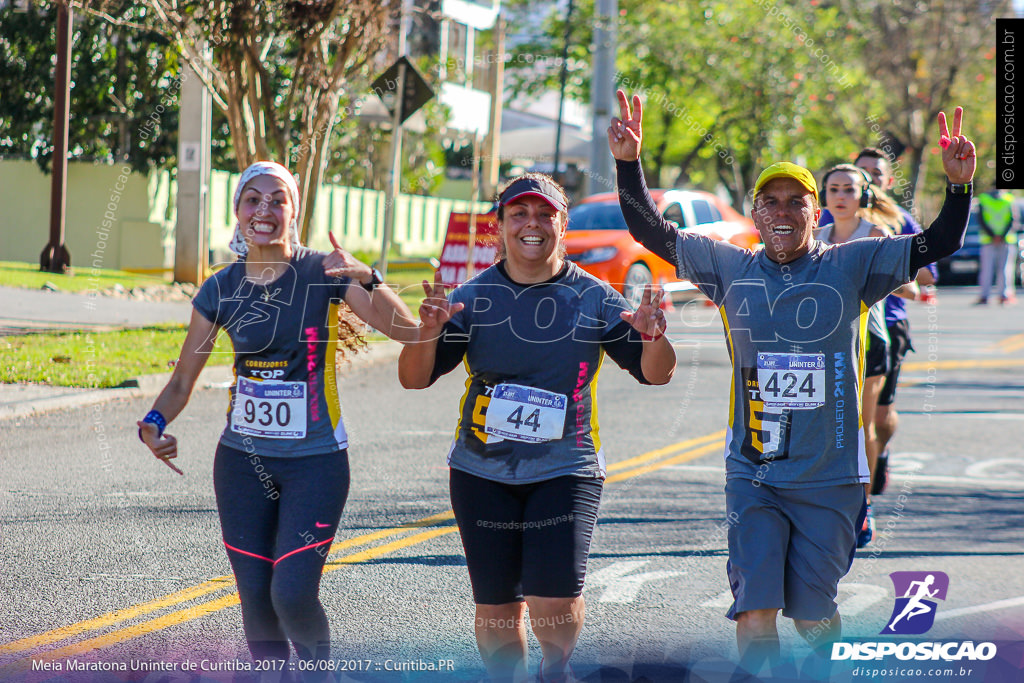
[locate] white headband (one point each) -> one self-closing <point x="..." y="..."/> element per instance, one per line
<point x="271" y="168"/>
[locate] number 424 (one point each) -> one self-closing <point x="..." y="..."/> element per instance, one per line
<point x="806" y="387"/>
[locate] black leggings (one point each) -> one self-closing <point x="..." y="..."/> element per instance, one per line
<point x="278" y="517"/>
<point x="525" y="539"/>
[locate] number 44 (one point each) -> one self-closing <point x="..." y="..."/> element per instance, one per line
<point x="532" y="420"/>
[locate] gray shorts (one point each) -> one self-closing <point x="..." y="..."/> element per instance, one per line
<point x="790" y="547"/>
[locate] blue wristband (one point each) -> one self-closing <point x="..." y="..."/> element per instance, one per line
<point x="157" y="418"/>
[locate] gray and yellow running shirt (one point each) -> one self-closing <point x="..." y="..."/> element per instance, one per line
<point x="533" y="353"/>
<point x="284" y="399"/>
<point x="795" y="334"/>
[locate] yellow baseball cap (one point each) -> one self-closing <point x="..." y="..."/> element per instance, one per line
<point x="785" y="169"/>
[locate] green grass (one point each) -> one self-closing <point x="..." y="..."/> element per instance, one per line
<point x="106" y="359"/>
<point x="96" y="359"/>
<point x="28" y="275"/>
<point x="406" y="281"/>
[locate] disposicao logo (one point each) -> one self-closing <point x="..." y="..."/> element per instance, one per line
<point x="914" y="614"/>
<point x="916" y="595"/>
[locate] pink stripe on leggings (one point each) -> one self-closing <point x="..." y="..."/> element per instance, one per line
<point x="299" y="550"/>
<point x="244" y="552"/>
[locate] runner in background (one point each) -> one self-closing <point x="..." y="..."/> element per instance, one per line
<point x="877" y="163"/>
<point x="527" y="461"/>
<point x="859" y="210"/>
<point x="281" y="471"/>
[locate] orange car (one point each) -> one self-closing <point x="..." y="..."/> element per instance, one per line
<point x="599" y="242"/>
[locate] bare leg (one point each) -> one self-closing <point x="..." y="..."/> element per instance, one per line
<point x="557" y="623"/>
<point x="820" y="635"/>
<point x="757" y="637"/>
<point x="887" y="421"/>
<point x="869" y="405"/>
<point x="501" y="639"/>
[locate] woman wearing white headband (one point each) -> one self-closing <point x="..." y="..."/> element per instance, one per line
<point x="281" y="470"/>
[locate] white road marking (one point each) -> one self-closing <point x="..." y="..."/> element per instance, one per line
<point x="623" y="589"/>
<point x="981" y="469"/>
<point x="723" y="599"/>
<point x="864" y="596"/>
<point x="942" y="480"/>
<point x="987" y="607"/>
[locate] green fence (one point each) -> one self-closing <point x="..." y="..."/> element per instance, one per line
<point x="119" y="219"/>
<point x="356" y="217"/>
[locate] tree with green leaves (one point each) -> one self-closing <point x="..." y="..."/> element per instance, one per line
<point x="120" y="73"/>
<point x="922" y="57"/>
<point x="283" y="73"/>
<point x="730" y="87"/>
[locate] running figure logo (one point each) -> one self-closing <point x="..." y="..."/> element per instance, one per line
<point x="914" y="611"/>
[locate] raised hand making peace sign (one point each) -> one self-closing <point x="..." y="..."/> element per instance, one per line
<point x="648" y="319"/>
<point x="435" y="310"/>
<point x="958" y="157"/>
<point x="625" y="133"/>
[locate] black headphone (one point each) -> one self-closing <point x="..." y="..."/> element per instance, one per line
<point x="867" y="197"/>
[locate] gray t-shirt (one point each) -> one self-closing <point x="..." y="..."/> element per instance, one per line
<point x="795" y="334"/>
<point x="533" y="353"/>
<point x="284" y="335"/>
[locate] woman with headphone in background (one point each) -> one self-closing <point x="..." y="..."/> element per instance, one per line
<point x="859" y="210"/>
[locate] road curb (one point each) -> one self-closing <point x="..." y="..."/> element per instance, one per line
<point x="151" y="385"/>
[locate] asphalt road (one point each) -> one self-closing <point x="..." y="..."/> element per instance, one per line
<point x="111" y="558"/>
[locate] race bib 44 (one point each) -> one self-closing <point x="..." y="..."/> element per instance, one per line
<point x="520" y="413"/>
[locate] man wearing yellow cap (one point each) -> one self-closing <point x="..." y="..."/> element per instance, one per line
<point x="795" y="459"/>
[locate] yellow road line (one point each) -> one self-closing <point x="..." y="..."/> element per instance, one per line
<point x="964" y="364"/>
<point x="128" y="633"/>
<point x="363" y="556"/>
<point x="653" y="455"/>
<point x="644" y="469"/>
<point x="1012" y="343"/>
<point x="338" y="546"/>
<point x="204" y="609"/>
<point x="1007" y="344"/>
<point x="117" y="617"/>
<point x="193" y="592"/>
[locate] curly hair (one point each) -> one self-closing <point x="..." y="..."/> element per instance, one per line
<point x="350" y="334"/>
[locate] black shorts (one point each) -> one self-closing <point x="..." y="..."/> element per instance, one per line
<point x="525" y="539"/>
<point x="877" y="357"/>
<point x="899" y="346"/>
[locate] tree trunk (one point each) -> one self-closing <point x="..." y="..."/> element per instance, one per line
<point x="313" y="160"/>
<point x="916" y="161"/>
<point x="658" y="158"/>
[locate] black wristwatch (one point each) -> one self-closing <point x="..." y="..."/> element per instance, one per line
<point x="375" y="279"/>
<point x="958" y="188"/>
